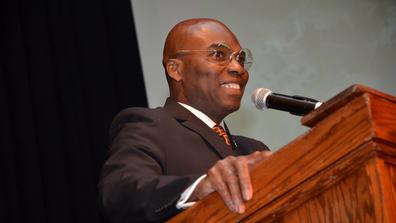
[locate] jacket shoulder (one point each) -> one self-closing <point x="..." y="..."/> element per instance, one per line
<point x="135" y="115"/>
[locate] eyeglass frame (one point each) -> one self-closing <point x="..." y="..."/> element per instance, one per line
<point x="233" y="55"/>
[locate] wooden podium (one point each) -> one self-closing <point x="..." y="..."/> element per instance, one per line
<point x="341" y="170"/>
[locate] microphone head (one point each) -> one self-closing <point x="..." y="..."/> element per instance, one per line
<point x="259" y="98"/>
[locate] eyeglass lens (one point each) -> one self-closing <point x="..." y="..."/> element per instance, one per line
<point x="242" y="56"/>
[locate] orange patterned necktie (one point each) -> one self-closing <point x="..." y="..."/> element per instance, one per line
<point x="222" y="133"/>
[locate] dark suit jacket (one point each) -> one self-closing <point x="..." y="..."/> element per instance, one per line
<point x="155" y="154"/>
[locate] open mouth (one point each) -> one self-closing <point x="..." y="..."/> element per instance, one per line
<point x="231" y="85"/>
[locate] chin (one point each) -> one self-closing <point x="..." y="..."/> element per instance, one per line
<point x="232" y="107"/>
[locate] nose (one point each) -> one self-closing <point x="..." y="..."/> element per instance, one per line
<point x="235" y="68"/>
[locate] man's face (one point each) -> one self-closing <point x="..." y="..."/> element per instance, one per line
<point x="212" y="87"/>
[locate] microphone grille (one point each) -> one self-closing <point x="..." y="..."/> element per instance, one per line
<point x="259" y="98"/>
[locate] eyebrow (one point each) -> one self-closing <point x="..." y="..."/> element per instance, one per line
<point x="216" y="45"/>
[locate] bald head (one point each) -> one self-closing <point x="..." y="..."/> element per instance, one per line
<point x="186" y="34"/>
<point x="198" y="74"/>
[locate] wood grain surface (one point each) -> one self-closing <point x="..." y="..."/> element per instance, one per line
<point x="341" y="170"/>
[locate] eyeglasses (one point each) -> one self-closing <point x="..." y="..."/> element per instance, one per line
<point x="222" y="54"/>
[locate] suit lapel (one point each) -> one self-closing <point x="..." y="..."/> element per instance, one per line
<point x="190" y="121"/>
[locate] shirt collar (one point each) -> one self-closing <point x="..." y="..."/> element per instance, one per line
<point x="208" y="121"/>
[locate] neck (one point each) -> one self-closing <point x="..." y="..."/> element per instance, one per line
<point x="215" y="116"/>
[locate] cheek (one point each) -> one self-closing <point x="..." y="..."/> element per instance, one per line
<point x="205" y="78"/>
<point x="246" y="79"/>
<point x="202" y="79"/>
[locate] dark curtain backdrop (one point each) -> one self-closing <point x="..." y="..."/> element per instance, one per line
<point x="66" y="68"/>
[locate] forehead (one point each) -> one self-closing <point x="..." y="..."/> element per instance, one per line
<point x="203" y="36"/>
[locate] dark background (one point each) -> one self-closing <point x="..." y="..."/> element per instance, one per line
<point x="66" y="68"/>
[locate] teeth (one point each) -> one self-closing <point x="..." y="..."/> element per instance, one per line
<point x="231" y="85"/>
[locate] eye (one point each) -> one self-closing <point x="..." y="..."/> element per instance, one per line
<point x="218" y="55"/>
<point x="241" y="57"/>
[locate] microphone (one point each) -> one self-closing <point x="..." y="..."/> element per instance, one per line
<point x="297" y="105"/>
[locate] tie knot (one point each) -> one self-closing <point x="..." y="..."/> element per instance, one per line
<point x="219" y="130"/>
<point x="222" y="133"/>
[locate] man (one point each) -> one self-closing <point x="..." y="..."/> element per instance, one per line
<point x="163" y="160"/>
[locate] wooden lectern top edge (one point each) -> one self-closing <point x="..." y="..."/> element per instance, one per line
<point x="340" y="100"/>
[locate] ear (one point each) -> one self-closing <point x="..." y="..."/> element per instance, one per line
<point x="173" y="68"/>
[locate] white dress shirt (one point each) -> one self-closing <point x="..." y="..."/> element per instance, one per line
<point x="182" y="202"/>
